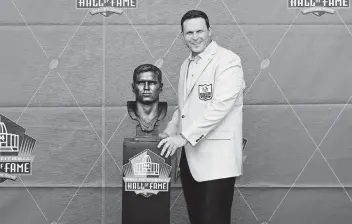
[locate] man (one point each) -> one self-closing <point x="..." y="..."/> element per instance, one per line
<point x="207" y="125"/>
<point x="146" y="109"/>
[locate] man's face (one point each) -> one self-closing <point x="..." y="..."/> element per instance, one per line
<point x="196" y="35"/>
<point x="147" y="88"/>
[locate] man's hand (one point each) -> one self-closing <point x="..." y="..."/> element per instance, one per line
<point x="171" y="144"/>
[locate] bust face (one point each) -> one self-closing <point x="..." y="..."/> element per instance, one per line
<point x="147" y="88"/>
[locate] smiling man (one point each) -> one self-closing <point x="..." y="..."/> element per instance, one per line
<point x="206" y="128"/>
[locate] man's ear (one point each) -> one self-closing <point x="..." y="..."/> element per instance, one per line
<point x="209" y="31"/>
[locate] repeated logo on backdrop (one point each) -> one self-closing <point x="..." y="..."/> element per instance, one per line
<point x="16" y="150"/>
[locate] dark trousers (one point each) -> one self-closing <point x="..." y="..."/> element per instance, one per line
<point x="208" y="202"/>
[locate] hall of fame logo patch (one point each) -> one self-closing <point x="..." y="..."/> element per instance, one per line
<point x="205" y="92"/>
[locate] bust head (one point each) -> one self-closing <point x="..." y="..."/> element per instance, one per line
<point x="147" y="83"/>
<point x="146" y="109"/>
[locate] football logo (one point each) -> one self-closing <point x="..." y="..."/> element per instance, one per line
<point x="205" y="92"/>
<point x="15" y="150"/>
<point x="147" y="174"/>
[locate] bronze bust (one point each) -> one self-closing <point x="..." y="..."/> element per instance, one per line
<point x="146" y="109"/>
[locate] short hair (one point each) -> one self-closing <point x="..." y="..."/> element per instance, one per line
<point x="192" y="14"/>
<point x="147" y="68"/>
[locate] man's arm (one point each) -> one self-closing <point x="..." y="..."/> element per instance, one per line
<point x="227" y="87"/>
<point x="171" y="128"/>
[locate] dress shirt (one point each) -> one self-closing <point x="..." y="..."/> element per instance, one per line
<point x="193" y="64"/>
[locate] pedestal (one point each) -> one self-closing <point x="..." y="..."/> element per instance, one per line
<point x="146" y="182"/>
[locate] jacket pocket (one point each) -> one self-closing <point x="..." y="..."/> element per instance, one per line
<point x="220" y="135"/>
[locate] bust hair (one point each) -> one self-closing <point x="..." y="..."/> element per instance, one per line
<point x="147" y="68"/>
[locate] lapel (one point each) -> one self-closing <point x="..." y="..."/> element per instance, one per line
<point x="182" y="84"/>
<point x="201" y="67"/>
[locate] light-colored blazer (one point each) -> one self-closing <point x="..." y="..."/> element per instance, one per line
<point x="210" y="115"/>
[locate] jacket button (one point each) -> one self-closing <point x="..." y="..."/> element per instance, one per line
<point x="183" y="116"/>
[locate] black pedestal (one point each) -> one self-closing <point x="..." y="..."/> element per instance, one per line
<point x="146" y="183"/>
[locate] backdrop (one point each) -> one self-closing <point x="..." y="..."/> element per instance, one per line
<point x="66" y="77"/>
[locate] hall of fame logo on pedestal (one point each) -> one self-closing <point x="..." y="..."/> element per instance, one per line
<point x="106" y="7"/>
<point x="318" y="7"/>
<point x="147" y="174"/>
<point x="15" y="150"/>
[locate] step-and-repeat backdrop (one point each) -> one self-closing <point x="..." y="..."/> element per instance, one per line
<point x="65" y="78"/>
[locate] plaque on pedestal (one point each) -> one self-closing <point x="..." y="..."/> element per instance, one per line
<point x="146" y="183"/>
<point x="146" y="175"/>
